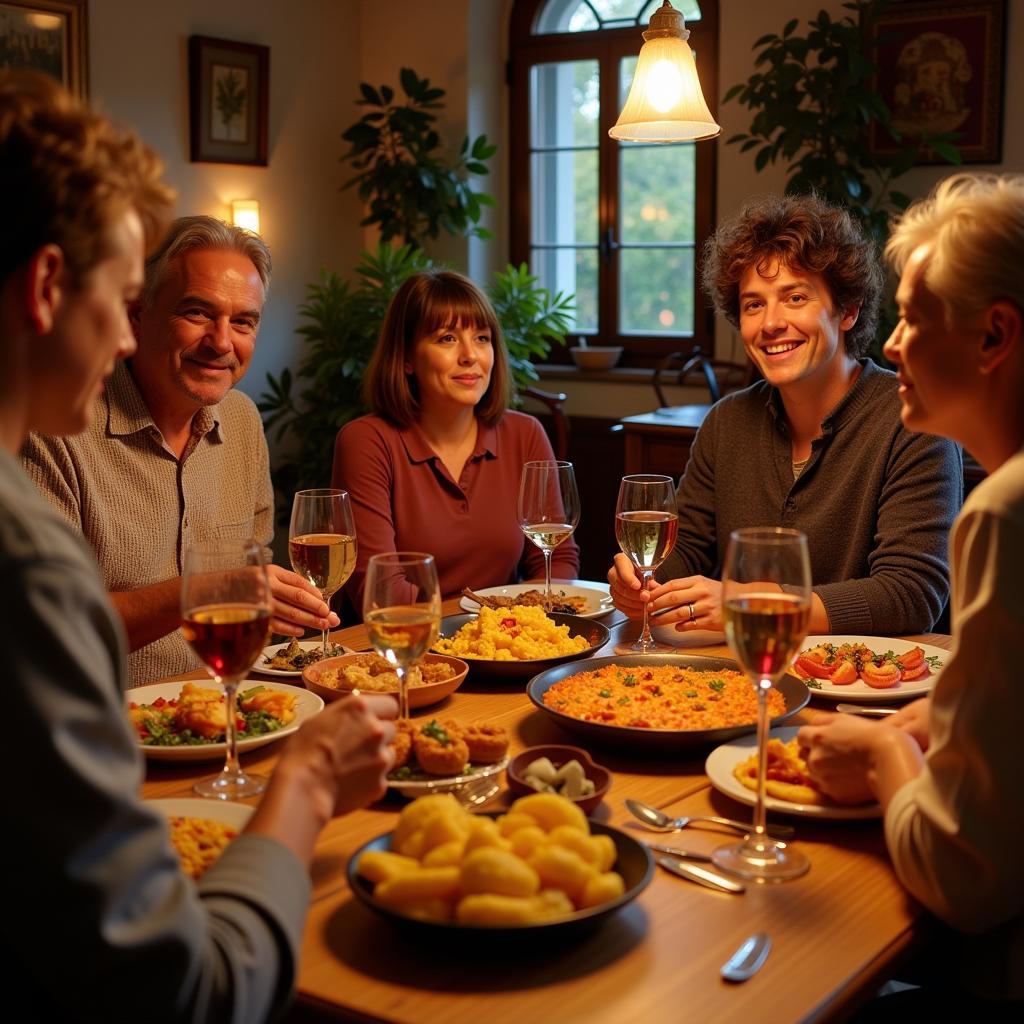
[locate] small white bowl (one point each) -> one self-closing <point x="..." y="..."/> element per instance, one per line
<point x="596" y="357"/>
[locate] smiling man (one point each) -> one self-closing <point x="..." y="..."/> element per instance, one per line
<point x="817" y="445"/>
<point x="174" y="455"/>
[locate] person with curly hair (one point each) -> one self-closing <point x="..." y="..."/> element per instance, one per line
<point x="816" y="445"/>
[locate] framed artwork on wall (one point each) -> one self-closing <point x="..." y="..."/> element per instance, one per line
<point x="228" y="86"/>
<point x="48" y="36"/>
<point x="941" y="69"/>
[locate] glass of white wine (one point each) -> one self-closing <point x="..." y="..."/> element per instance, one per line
<point x="402" y="611"/>
<point x="766" y="606"/>
<point x="322" y="541"/>
<point x="549" y="509"/>
<point x="225" y="617"/>
<point x="646" y="525"/>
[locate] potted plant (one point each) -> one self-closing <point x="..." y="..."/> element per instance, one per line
<point x="812" y="97"/>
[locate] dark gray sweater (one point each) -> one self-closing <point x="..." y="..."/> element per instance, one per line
<point x="875" y="501"/>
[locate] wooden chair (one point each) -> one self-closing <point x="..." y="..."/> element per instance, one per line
<point x="553" y="401"/>
<point x="720" y="375"/>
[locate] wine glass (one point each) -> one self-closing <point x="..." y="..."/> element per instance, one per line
<point x="322" y="541"/>
<point x="225" y="617"/>
<point x="549" y="509"/>
<point x="402" y="611"/>
<point x="766" y="606"/>
<point x="646" y="525"/>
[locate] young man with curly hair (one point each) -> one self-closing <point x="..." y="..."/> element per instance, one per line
<point x="816" y="445"/>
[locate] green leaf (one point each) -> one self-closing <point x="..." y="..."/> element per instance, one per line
<point x="789" y="29"/>
<point x="370" y="95"/>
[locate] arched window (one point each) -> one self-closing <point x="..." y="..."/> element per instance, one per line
<point x="618" y="225"/>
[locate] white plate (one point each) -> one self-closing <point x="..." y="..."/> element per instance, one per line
<point x="859" y="692"/>
<point x="722" y="760"/>
<point x="599" y="601"/>
<point x="686" y="637"/>
<point x="227" y="813"/>
<point x="309" y="704"/>
<point x="269" y="652"/>
<point x="468" y="789"/>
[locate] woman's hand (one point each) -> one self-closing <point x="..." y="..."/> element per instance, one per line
<point x="854" y="760"/>
<point x="914" y="719"/>
<point x="297" y="604"/>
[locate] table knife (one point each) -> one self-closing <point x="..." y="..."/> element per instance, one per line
<point x="678" y="851"/>
<point x="702" y="876"/>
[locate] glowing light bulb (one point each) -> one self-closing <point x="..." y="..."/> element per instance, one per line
<point x="664" y="86"/>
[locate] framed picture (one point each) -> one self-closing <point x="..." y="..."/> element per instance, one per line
<point x="941" y="70"/>
<point x="228" y="92"/>
<point x="48" y="36"/>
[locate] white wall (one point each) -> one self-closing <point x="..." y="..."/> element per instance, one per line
<point x="138" y="64"/>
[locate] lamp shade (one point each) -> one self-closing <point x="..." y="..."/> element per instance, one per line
<point x="665" y="102"/>
<point x="245" y="213"/>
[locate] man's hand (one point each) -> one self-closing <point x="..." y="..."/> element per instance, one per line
<point x="297" y="604"/>
<point x="626" y="588"/>
<point x="695" y="602"/>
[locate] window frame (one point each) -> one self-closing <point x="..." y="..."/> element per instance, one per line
<point x="608" y="47"/>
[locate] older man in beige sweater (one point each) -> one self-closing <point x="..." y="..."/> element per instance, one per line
<point x="174" y="454"/>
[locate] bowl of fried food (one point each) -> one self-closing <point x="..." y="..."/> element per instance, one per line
<point x="559" y="768"/>
<point x="446" y="756"/>
<point x="540" y="869"/>
<point x="431" y="679"/>
<point x="518" y="642"/>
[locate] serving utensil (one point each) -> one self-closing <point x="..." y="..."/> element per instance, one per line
<point x="659" y="821"/>
<point x="748" y="958"/>
<point x="702" y="876"/>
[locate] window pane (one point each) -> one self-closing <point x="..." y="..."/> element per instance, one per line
<point x="657" y="202"/>
<point x="564" y="104"/>
<point x="564" y="190"/>
<point x="573" y="271"/>
<point x="577" y="16"/>
<point x="656" y="291"/>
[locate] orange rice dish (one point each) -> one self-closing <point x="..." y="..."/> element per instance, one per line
<point x="660" y="697"/>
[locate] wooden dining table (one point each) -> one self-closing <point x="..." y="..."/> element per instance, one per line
<point x="837" y="933"/>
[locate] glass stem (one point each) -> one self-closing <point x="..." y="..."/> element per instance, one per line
<point x="763" y="686"/>
<point x="646" y="640"/>
<point x="403" y="692"/>
<point x="231" y="766"/>
<point x="327" y="601"/>
<point x="547" y="576"/>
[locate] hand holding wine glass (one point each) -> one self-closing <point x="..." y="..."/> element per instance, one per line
<point x="225" y="617"/>
<point x="322" y="541"/>
<point x="549" y="509"/>
<point x="766" y="605"/>
<point x="646" y="525"/>
<point x="402" y="611"/>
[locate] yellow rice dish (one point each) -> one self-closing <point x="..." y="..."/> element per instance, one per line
<point x="199" y="842"/>
<point x="660" y="697"/>
<point x="519" y="633"/>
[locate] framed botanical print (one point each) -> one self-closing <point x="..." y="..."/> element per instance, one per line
<point x="228" y="86"/>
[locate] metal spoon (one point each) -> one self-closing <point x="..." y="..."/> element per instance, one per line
<point x="659" y="821"/>
<point x="748" y="958"/>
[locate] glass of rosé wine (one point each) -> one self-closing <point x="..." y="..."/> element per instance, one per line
<point x="766" y="606"/>
<point x="225" y="617"/>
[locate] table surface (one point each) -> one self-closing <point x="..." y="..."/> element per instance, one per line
<point x="837" y="932"/>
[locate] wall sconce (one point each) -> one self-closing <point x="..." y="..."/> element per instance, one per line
<point x="245" y="213"/>
<point x="665" y="103"/>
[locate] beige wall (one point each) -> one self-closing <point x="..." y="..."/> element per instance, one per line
<point x="139" y="74"/>
<point x="320" y="51"/>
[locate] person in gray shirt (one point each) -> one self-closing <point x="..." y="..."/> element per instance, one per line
<point x="816" y="445"/>
<point x="99" y="921"/>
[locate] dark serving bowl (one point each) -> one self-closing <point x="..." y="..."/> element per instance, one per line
<point x="559" y="754"/>
<point x="657" y="741"/>
<point x="632" y="860"/>
<point x="484" y="669"/>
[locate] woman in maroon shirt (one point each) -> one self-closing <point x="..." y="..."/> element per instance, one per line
<point x="435" y="467"/>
